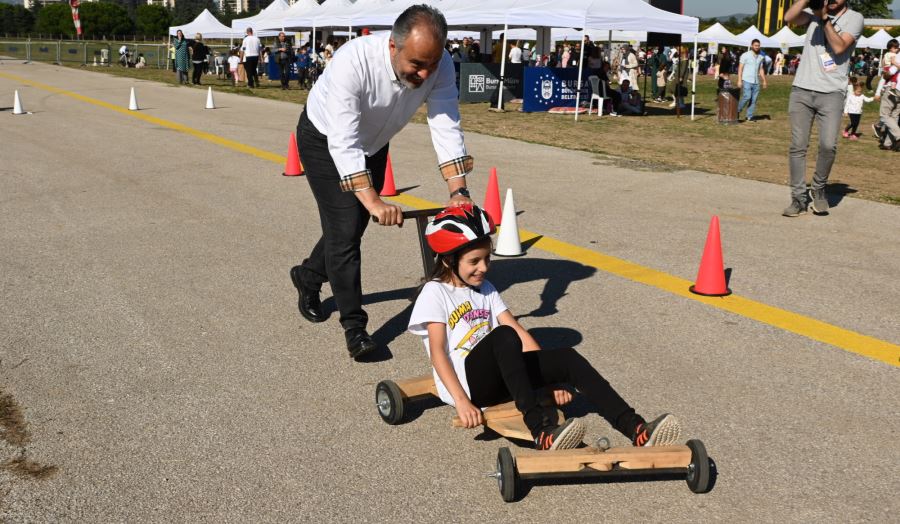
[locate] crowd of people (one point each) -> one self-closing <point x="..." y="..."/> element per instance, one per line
<point x="247" y="61"/>
<point x="666" y="70"/>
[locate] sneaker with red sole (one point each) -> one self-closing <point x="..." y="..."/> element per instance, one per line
<point x="665" y="430"/>
<point x="568" y="435"/>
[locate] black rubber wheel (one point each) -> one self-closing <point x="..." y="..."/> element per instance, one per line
<point x="698" y="470"/>
<point x="508" y="477"/>
<point x="389" y="401"/>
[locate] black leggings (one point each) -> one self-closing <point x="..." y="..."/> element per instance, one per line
<point x="497" y="368"/>
<point x="854" y="123"/>
<point x="198" y="71"/>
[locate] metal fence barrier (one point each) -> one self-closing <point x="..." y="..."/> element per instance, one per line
<point x="92" y="53"/>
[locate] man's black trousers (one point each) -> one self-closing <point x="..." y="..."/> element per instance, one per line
<point x="251" y="66"/>
<point x="285" y="70"/>
<point x="336" y="256"/>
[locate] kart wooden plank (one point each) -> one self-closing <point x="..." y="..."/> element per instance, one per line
<point x="574" y="460"/>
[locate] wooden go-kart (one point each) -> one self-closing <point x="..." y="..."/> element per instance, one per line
<point x="689" y="460"/>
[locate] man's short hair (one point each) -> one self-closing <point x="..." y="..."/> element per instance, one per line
<point x="415" y="16"/>
<point x="755" y="41"/>
<point x="249" y="31"/>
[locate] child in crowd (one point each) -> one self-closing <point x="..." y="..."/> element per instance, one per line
<point x="854" y="108"/>
<point x="233" y="62"/>
<point x="141" y="61"/>
<point x="481" y="355"/>
<point x="852" y="82"/>
<point x="661" y="77"/>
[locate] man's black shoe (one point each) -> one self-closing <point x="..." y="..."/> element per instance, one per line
<point x="309" y="304"/>
<point x="359" y="342"/>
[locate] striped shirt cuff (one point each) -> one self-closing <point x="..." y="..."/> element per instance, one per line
<point x="457" y="167"/>
<point x="357" y="181"/>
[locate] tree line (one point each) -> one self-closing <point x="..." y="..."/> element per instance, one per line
<point x="108" y="18"/>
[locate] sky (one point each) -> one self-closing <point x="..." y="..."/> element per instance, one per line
<point x="710" y="8"/>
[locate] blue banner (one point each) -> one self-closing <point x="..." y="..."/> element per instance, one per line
<point x="545" y="88"/>
<point x="274" y="70"/>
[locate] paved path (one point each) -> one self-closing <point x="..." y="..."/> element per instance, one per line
<point x="150" y="334"/>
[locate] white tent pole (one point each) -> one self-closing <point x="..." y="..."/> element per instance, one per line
<point x="350" y="30"/>
<point x="502" y="67"/>
<point x="694" y="80"/>
<point x="313" y="40"/>
<point x="609" y="49"/>
<point x="580" y="69"/>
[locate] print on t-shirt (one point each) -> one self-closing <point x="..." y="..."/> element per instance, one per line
<point x="479" y="322"/>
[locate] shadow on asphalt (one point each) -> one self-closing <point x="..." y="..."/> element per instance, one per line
<point x="836" y="192"/>
<point x="557" y="274"/>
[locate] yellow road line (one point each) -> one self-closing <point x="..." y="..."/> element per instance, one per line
<point x="209" y="137"/>
<point x="773" y="316"/>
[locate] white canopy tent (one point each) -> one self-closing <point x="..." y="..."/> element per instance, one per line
<point x="787" y="38"/>
<point x="207" y="25"/>
<point x="596" y="14"/>
<point x="275" y="8"/>
<point x="877" y="41"/>
<point x="604" y="15"/>
<point x="332" y="13"/>
<point x="558" y="34"/>
<point x="751" y="34"/>
<point x="714" y="34"/>
<point x="274" y="20"/>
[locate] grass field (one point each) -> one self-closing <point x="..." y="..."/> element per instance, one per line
<point x="660" y="141"/>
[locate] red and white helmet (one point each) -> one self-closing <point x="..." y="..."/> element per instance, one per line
<point x="456" y="227"/>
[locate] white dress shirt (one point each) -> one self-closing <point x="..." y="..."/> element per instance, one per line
<point x="360" y="104"/>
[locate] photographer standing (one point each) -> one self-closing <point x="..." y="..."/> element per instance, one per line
<point x="819" y="91"/>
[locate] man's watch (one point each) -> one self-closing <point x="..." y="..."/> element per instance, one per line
<point x="461" y="191"/>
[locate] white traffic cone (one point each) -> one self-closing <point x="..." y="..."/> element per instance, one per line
<point x="132" y="103"/>
<point x="210" y="103"/>
<point x="508" y="244"/>
<point x="17" y="105"/>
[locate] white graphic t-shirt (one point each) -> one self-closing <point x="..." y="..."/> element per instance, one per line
<point x="469" y="315"/>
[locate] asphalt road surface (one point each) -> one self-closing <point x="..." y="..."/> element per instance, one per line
<point x="149" y="334"/>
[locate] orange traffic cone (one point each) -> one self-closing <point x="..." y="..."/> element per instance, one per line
<point x="388" y="189"/>
<point x="711" y="277"/>
<point x="492" y="198"/>
<point x="293" y="167"/>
